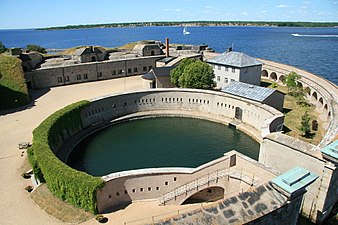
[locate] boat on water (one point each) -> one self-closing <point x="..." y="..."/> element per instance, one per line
<point x="316" y="35"/>
<point x="185" y="31"/>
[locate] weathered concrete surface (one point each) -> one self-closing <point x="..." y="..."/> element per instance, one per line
<point x="241" y="209"/>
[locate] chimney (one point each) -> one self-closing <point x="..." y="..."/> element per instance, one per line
<point x="167" y="47"/>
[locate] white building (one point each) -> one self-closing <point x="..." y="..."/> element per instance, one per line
<point x="235" y="66"/>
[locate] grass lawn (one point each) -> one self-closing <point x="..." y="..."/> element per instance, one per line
<point x="57" y="208"/>
<point x="293" y="116"/>
<point x="13" y="90"/>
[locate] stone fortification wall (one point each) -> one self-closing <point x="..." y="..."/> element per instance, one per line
<point x="322" y="93"/>
<point x="261" y="117"/>
<point x="232" y="173"/>
<point x="85" y="72"/>
<point x="281" y="153"/>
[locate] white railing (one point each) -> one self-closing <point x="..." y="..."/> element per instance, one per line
<point x="206" y="180"/>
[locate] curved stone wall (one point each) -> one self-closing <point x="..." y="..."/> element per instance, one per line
<point x="322" y="93"/>
<point x="123" y="188"/>
<point x="218" y="105"/>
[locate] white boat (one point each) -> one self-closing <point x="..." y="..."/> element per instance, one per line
<point x="185" y="31"/>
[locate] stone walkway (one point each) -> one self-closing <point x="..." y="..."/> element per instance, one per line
<point x="16" y="207"/>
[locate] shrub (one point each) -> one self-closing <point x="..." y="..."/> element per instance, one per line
<point x="75" y="187"/>
<point x="35" y="48"/>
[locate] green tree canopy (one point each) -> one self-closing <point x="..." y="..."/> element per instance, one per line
<point x="197" y="75"/>
<point x="305" y="124"/>
<point x="291" y="81"/>
<point x="36" y="48"/>
<point x="193" y="74"/>
<point x="2" y="48"/>
<point x="178" y="71"/>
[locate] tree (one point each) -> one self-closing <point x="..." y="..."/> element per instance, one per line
<point x="178" y="71"/>
<point x="197" y="74"/>
<point x="2" y="48"/>
<point x="36" y="48"/>
<point x="291" y="81"/>
<point x="305" y="124"/>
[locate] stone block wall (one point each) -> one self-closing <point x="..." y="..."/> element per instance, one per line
<point x="94" y="71"/>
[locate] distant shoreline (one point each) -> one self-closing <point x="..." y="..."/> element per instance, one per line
<point x="197" y="23"/>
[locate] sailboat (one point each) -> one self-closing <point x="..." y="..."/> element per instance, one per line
<point x="185" y="31"/>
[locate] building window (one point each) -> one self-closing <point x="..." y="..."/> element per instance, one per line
<point x="233" y="70"/>
<point x="59" y="79"/>
<point x="78" y="77"/>
<point x="100" y="74"/>
<point x="150" y="67"/>
<point x="232" y="80"/>
<point x="113" y="72"/>
<point x="226" y="69"/>
<point x="149" y="188"/>
<point x="144" y="68"/>
<point x="129" y="70"/>
<point x="226" y="80"/>
<point x="141" y="189"/>
<point x="126" y="192"/>
<point x="85" y="76"/>
<point x="66" y="78"/>
<point x="219" y="67"/>
<point x="157" y="188"/>
<point x="120" y="71"/>
<point x="218" y="78"/>
<point x="135" y="70"/>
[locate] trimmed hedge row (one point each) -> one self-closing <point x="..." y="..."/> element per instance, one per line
<point x="73" y="186"/>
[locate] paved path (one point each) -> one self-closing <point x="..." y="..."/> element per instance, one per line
<point x="16" y="207"/>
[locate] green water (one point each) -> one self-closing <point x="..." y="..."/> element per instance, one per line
<point x="158" y="142"/>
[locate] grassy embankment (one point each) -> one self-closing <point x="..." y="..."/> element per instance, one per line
<point x="293" y="116"/>
<point x="13" y="90"/>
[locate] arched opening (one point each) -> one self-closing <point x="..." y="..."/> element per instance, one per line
<point x="264" y="73"/>
<point x="209" y="194"/>
<point x="281" y="78"/>
<point x="152" y="53"/>
<point x="329" y="114"/>
<point x="321" y="100"/>
<point x="307" y="90"/>
<point x="325" y="106"/>
<point x="93" y="59"/>
<point x="273" y="76"/>
<point x="314" y="95"/>
<point x="299" y="84"/>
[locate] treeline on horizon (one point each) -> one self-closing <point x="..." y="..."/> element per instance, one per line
<point x="198" y="23"/>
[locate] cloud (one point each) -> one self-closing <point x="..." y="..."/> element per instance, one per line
<point x="245" y="13"/>
<point x="177" y="10"/>
<point x="306" y="2"/>
<point x="167" y="10"/>
<point x="335" y="3"/>
<point x="282" y="6"/>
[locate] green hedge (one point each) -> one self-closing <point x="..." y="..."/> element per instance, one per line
<point x="73" y="186"/>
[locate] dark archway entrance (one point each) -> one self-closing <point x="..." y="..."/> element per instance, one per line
<point x="93" y="59"/>
<point x="273" y="76"/>
<point x="209" y="194"/>
<point x="152" y="53"/>
<point x="264" y="73"/>
<point x="238" y="113"/>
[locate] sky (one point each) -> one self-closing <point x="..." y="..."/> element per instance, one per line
<point x="15" y="14"/>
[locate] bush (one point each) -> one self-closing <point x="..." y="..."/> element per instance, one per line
<point x="35" y="48"/>
<point x="75" y="187"/>
<point x="2" y="48"/>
